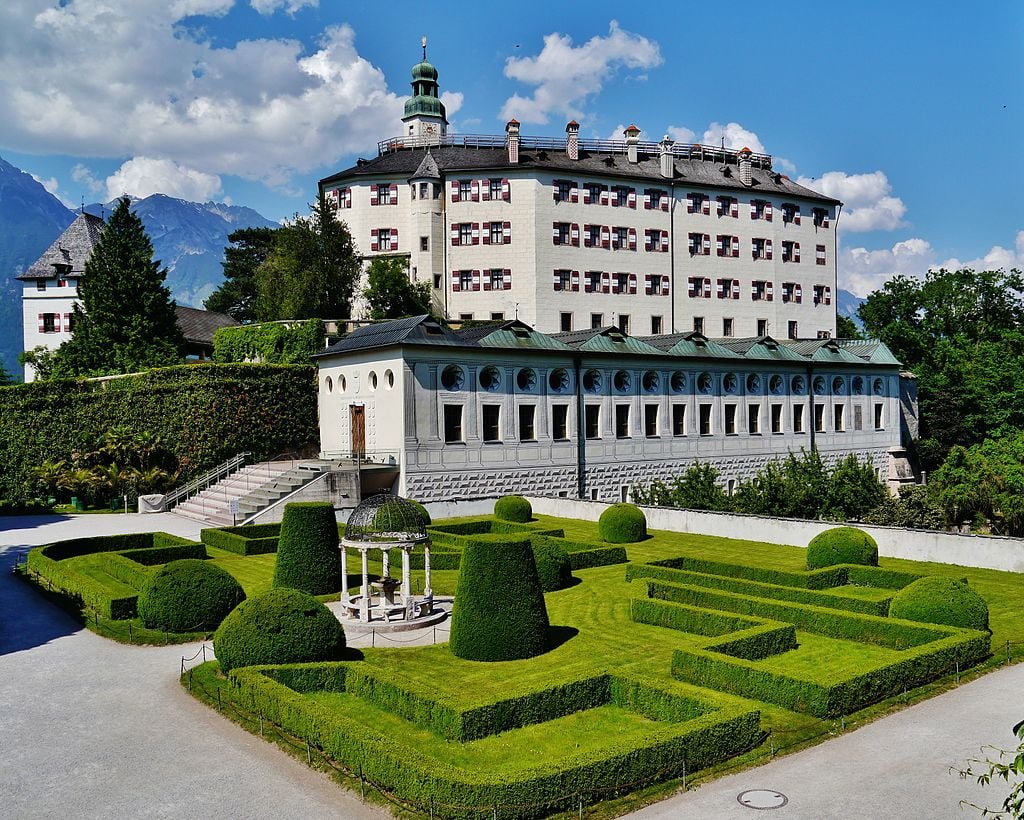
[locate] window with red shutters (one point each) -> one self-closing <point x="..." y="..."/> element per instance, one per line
<point x="790" y="214"/>
<point x="820" y="217"/>
<point x="819" y="255"/>
<point x="790" y="251"/>
<point x="728" y="206"/>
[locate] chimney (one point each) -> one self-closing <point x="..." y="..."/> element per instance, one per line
<point x="572" y="140"/>
<point x="512" y="141"/>
<point x="632" y="135"/>
<point x="744" y="163"/>
<point x="667" y="161"/>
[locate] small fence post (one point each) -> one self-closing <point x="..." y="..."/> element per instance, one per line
<point x="431" y="807"/>
<point x="1007" y="651"/>
<point x="309" y="755"/>
<point x="362" y="785"/>
<point x="581" y="807"/>
<point x="261" y="723"/>
<point x="130" y="638"/>
<point x="684" y="773"/>
<point x="495" y="811"/>
<point x="373" y="638"/>
<point x="219" y="706"/>
<point x="771" y="742"/>
<point x="190" y="681"/>
<point x="204" y="653"/>
<point x="842" y="719"/>
<point x="958" y="671"/>
<point x="182" y="666"/>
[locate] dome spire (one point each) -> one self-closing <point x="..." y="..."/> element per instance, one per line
<point x="425" y="120"/>
<point x="423" y="42"/>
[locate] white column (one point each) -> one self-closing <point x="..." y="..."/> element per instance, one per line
<point x="364" y="605"/>
<point x="386" y="561"/>
<point x="344" y="576"/>
<point x="428" y="593"/>
<point x="406" y="588"/>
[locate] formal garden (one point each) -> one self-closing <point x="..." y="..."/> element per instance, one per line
<point x="588" y="666"/>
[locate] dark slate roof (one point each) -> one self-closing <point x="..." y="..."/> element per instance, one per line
<point x="198" y="326"/>
<point x="73" y="247"/>
<point x="453" y="159"/>
<point x="411" y="330"/>
<point x="427" y="169"/>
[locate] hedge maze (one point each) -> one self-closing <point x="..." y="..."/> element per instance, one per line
<point x="750" y="626"/>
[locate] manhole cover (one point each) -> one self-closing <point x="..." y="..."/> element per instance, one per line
<point x="762" y="799"/>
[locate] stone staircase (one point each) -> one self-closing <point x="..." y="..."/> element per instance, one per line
<point x="254" y="487"/>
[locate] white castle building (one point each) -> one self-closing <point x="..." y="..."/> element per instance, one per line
<point x="572" y="234"/>
<point x="500" y="407"/>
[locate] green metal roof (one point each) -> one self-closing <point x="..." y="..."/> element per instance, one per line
<point x="690" y="344"/>
<point x="762" y="348"/>
<point x="870" y="350"/>
<point x="607" y="340"/>
<point x="517" y="338"/>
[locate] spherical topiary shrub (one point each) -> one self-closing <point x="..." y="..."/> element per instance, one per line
<point x="842" y="545"/>
<point x="188" y="595"/>
<point x="307" y="552"/>
<point x="622" y="524"/>
<point x="279" y="626"/>
<point x="513" y="508"/>
<point x="553" y="568"/>
<point x="499" y="612"/>
<point x="938" y="600"/>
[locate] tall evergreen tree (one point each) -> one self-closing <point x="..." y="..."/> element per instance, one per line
<point x="249" y="249"/>
<point x="312" y="272"/>
<point x="125" y="321"/>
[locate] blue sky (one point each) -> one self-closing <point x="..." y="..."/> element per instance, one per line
<point x="909" y="112"/>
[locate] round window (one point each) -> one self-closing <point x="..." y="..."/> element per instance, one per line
<point x="705" y="384"/>
<point x="858" y="386"/>
<point x="490" y="378"/>
<point x="753" y="383"/>
<point x="730" y="383"/>
<point x="798" y="384"/>
<point x="776" y="384"/>
<point x="838" y="385"/>
<point x="452" y="377"/>
<point x="819" y="385"/>
<point x="678" y="381"/>
<point x="652" y="381"/>
<point x="558" y="380"/>
<point x="622" y="381"/>
<point x="526" y="379"/>
<point x="878" y="387"/>
<point x="592" y="381"/>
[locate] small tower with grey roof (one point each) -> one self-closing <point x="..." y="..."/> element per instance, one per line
<point x="425" y="121"/>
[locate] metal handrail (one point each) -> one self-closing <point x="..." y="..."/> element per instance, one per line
<point x="257" y="515"/>
<point x="206" y="479"/>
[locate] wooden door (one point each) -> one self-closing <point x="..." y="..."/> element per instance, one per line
<point x="357" y="420"/>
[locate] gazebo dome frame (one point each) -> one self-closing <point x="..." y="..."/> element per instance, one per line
<point x="385" y="522"/>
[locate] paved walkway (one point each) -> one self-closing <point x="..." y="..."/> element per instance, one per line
<point x="92" y="728"/>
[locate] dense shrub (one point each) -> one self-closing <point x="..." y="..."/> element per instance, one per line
<point x="307" y="553"/>
<point x="270" y="343"/>
<point x="622" y="524"/>
<point x="279" y="626"/>
<point x="187" y="596"/>
<point x="938" y="600"/>
<point x="499" y="612"/>
<point x="204" y="413"/>
<point x="842" y="545"/>
<point x="553" y="568"/>
<point x="513" y="508"/>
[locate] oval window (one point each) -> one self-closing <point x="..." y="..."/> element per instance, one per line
<point x="705" y="384"/>
<point x="342" y="383"/>
<point x="858" y="386"/>
<point x="372" y="379"/>
<point x="838" y="385"/>
<point x="652" y="381"/>
<point x="558" y="380"/>
<point x="753" y="383"/>
<point x="879" y="387"/>
<point x="329" y="384"/>
<point x="526" y="379"/>
<point x="819" y="385"/>
<point x="592" y="381"/>
<point x="730" y="383"/>
<point x="622" y="381"/>
<point x="678" y="381"/>
<point x="452" y="377"/>
<point x="389" y="379"/>
<point x="490" y="378"/>
<point x="776" y="384"/>
<point x="798" y="384"/>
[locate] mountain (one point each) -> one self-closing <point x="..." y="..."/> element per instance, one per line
<point x="847" y="304"/>
<point x="30" y="219"/>
<point x="189" y="239"/>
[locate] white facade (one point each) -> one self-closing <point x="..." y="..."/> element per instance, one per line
<point x="47" y="307"/>
<point x="493" y="415"/>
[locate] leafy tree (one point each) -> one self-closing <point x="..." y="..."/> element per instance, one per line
<point x="853" y="490"/>
<point x="249" y="248"/>
<point x="912" y="508"/>
<point x="312" y="272"/>
<point x="41" y="358"/>
<point x="389" y="292"/>
<point x="984" y="481"/>
<point x="695" y="489"/>
<point x="846" y="328"/>
<point x="126" y="320"/>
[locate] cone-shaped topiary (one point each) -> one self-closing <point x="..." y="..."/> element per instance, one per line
<point x="188" y="595"/>
<point x="279" y="626"/>
<point x="499" y="612"/>
<point x="513" y="508"/>
<point x="938" y="600"/>
<point x="842" y="545"/>
<point x="622" y="524"/>
<point x="307" y="552"/>
<point x="553" y="568"/>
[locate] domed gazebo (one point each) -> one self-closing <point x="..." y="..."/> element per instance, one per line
<point x="386" y="522"/>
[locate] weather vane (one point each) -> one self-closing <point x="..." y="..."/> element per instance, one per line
<point x="423" y="41"/>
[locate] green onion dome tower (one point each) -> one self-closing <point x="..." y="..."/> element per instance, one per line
<point x="425" y="121"/>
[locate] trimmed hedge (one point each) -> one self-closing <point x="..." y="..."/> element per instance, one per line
<point x="280" y="626"/>
<point x="759" y="589"/>
<point x="722" y="730"/>
<point x="308" y="558"/>
<point x="499" y="612"/>
<point x="205" y="413"/>
<point x="47" y="564"/>
<point x="815" y="579"/>
<point x="553" y="568"/>
<point x="938" y="600"/>
<point x="513" y="508"/>
<point x="188" y="596"/>
<point x="124" y="569"/>
<point x="622" y="524"/>
<point x="842" y="545"/>
<point x="252" y="539"/>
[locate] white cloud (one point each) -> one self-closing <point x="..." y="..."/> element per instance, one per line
<point x="84" y="176"/>
<point x="861" y="270"/>
<point x="121" y="78"/>
<point x="735" y="135"/>
<point x="617" y="136"/>
<point x="566" y="75"/>
<point x="452" y="102"/>
<point x="867" y="201"/>
<point x="142" y="176"/>
<point x="680" y="133"/>
<point x="51" y="184"/>
<point x="997" y="257"/>
<point x="290" y="6"/>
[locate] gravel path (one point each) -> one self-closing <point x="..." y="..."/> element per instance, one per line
<point x="92" y="728"/>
